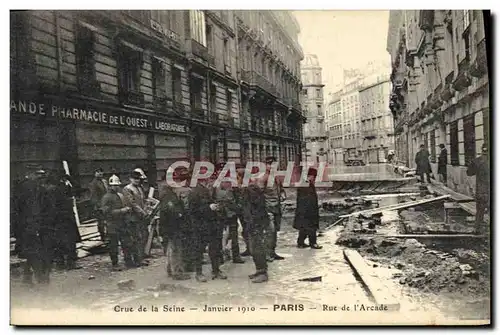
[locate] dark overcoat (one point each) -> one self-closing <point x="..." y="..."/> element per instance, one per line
<point x="254" y="209"/>
<point x="480" y="167"/>
<point x="59" y="204"/>
<point x="442" y="161"/>
<point x="422" y="161"/>
<point x="307" y="209"/>
<point x="173" y="216"/>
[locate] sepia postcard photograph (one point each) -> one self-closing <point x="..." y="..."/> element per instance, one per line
<point x="250" y="167"/>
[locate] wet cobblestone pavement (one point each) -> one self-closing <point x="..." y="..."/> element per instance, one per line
<point x="96" y="286"/>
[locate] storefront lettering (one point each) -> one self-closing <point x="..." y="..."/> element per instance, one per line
<point x="89" y="115"/>
<point x="161" y="125"/>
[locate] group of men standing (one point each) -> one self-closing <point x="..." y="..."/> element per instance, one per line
<point x="192" y="220"/>
<point x="43" y="223"/>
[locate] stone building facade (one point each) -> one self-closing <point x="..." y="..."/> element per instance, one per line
<point x="440" y="87"/>
<point x="121" y="89"/>
<point x="313" y="101"/>
<point x="377" y="126"/>
<point x="269" y="58"/>
<point x="335" y="126"/>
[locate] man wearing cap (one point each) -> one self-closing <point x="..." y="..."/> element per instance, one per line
<point x="307" y="212"/>
<point x="97" y="189"/>
<point x="227" y="216"/>
<point x="114" y="211"/>
<point x="257" y="219"/>
<point x="206" y="230"/>
<point x="174" y="224"/>
<point x="273" y="196"/>
<point x="133" y="195"/>
<point x="480" y="167"/>
<point x="32" y="240"/>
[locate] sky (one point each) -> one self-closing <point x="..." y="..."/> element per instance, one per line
<point x="343" y="39"/>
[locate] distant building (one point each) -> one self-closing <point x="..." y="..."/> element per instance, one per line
<point x="351" y="118"/>
<point x="335" y="123"/>
<point x="314" y="130"/>
<point x="377" y="126"/>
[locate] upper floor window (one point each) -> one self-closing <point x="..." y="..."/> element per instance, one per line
<point x="85" y="62"/>
<point x="159" y="78"/>
<point x="197" y="25"/>
<point x="166" y="18"/>
<point x="176" y="84"/>
<point x="140" y="15"/>
<point x="466" y="19"/>
<point x="129" y="67"/>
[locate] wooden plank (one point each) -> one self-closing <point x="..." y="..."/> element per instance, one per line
<point x="445" y="236"/>
<point x="380" y="293"/>
<point x="404" y="205"/>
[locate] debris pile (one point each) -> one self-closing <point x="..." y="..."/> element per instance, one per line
<point x="423" y="268"/>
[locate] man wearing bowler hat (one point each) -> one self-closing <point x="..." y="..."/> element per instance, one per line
<point x="307" y="213"/>
<point x="135" y="199"/>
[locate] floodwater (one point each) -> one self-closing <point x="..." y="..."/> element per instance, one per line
<point x="362" y="173"/>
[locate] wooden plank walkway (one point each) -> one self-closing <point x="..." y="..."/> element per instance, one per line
<point x="379" y="292"/>
<point x="404" y="205"/>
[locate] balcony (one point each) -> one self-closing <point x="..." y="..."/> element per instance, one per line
<point x="371" y="134"/>
<point x="257" y="80"/>
<point x="463" y="79"/>
<point x="227" y="69"/>
<point x="132" y="98"/>
<point x="480" y="66"/>
<point x="211" y="60"/>
<point x="199" y="50"/>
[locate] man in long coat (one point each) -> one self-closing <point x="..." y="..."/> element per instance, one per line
<point x="174" y="225"/>
<point x="97" y="188"/>
<point x="136" y="225"/>
<point x="115" y="211"/>
<point x="307" y="213"/>
<point x="442" y="163"/>
<point x="34" y="236"/>
<point x="205" y="229"/>
<point x="257" y="219"/>
<point x="273" y="196"/>
<point x="66" y="229"/>
<point x="423" y="164"/>
<point x="480" y="167"/>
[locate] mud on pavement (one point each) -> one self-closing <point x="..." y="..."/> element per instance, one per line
<point x="455" y="276"/>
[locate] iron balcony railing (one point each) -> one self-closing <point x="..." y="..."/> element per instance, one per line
<point x="255" y="79"/>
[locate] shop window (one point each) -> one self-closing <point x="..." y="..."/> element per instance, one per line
<point x="129" y="67"/>
<point x="85" y="61"/>
<point x="433" y="146"/>
<point x="176" y="85"/>
<point x="469" y="139"/>
<point x="454" y="160"/>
